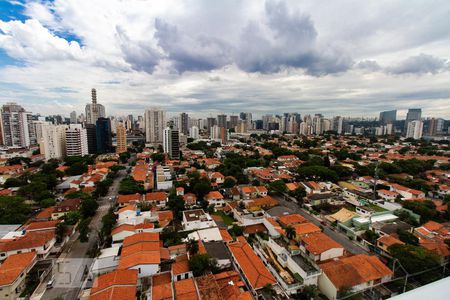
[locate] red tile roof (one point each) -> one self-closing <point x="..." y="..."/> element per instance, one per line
<point x="253" y="268"/>
<point x="14" y="265"/>
<point x="317" y="243"/>
<point x="119" y="284"/>
<point x="349" y="271"/>
<point x="186" y="290"/>
<point x="141" y="237"/>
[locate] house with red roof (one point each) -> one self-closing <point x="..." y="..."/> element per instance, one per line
<point x="41" y="242"/>
<point x="119" y="284"/>
<point x="319" y="247"/>
<point x="13" y="273"/>
<point x="215" y="198"/>
<point x="251" y="266"/>
<point x="358" y="272"/>
<point x="124" y="200"/>
<point x="158" y="199"/>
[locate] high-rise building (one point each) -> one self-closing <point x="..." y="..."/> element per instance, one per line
<point x="210" y="122"/>
<point x="184" y="126"/>
<point x="155" y="123"/>
<point x="121" y="137"/>
<point x="171" y="142"/>
<point x="194" y="132"/>
<point x="222" y="121"/>
<point x="104" y="135"/>
<point x="412" y="115"/>
<point x="54" y="141"/>
<point x="338" y="123"/>
<point x="388" y="117"/>
<point x="317" y="123"/>
<point x="415" y="129"/>
<point x="17" y="128"/>
<point x="215" y="132"/>
<point x="233" y="121"/>
<point x="73" y="117"/>
<point x="91" y="133"/>
<point x="94" y="110"/>
<point x="436" y="126"/>
<point x="76" y="140"/>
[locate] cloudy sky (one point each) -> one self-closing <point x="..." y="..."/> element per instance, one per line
<point x="351" y="58"/>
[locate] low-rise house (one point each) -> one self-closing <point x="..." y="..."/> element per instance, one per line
<point x="107" y="261"/>
<point x="319" y="247"/>
<point x="216" y="178"/>
<point x="197" y="219"/>
<point x="66" y="206"/>
<point x="124" y="200"/>
<point x="289" y="220"/>
<point x="250" y="265"/>
<point x="385" y="241"/>
<point x="252" y="192"/>
<point x="406" y="192"/>
<point x="387" y="195"/>
<point x="120" y="284"/>
<point x="357" y="273"/>
<point x="215" y="198"/>
<point x="186" y="289"/>
<point x="190" y="199"/>
<point x="303" y="229"/>
<point x="180" y="269"/>
<point x="432" y="236"/>
<point x="122" y="231"/>
<point x="13" y="273"/>
<point x="158" y="199"/>
<point x="162" y="287"/>
<point x="41" y="242"/>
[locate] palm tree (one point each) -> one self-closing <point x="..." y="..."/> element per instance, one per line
<point x="290" y="232"/>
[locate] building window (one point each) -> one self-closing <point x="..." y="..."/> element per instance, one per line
<point x="178" y="277"/>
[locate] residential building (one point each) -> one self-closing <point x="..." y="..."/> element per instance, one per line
<point x="155" y="122"/>
<point x="76" y="140"/>
<point x="357" y="273"/>
<point x="16" y="126"/>
<point x="121" y="137"/>
<point x="119" y="284"/>
<point x="171" y="142"/>
<point x="13" y="273"/>
<point x="94" y="110"/>
<point x="104" y="135"/>
<point x="196" y="219"/>
<point x="194" y="132"/>
<point x="414" y="129"/>
<point x="184" y="123"/>
<point x="222" y="121"/>
<point x="413" y="114"/>
<point x="54" y="141"/>
<point x="73" y="117"/>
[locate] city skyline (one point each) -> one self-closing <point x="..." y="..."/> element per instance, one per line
<point x="189" y="57"/>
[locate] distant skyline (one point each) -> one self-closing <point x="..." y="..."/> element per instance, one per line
<point x="349" y="58"/>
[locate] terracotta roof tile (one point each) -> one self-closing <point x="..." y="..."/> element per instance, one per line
<point x="14" y="265"/>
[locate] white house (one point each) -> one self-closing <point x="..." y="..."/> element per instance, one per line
<point x="197" y="219"/>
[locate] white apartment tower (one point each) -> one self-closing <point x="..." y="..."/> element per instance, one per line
<point x="155" y="123"/>
<point x="54" y="141"/>
<point x="194" y="132"/>
<point x="94" y="110"/>
<point x="76" y="140"/>
<point x="414" y="129"/>
<point x="17" y="128"/>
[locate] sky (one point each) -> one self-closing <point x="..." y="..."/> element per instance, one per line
<point x="205" y="57"/>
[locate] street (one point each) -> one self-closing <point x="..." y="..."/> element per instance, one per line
<point x="70" y="267"/>
<point x="339" y="237"/>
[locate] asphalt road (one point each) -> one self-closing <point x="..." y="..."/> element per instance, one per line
<point x="71" y="265"/>
<point x="339" y="237"/>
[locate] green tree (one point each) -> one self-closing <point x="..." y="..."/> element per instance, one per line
<point x="13" y="210"/>
<point x="202" y="188"/>
<point x="60" y="231"/>
<point x="290" y="232"/>
<point x="176" y="204"/>
<point x="229" y="183"/>
<point x="317" y="173"/>
<point x="88" y="207"/>
<point x="407" y="237"/>
<point x="278" y="186"/>
<point x="414" y="258"/>
<point x="199" y="264"/>
<point x="192" y="247"/>
<point x="84" y="229"/>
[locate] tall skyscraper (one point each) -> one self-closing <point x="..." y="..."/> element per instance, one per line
<point x="16" y="126"/>
<point x="210" y="122"/>
<point x="184" y="126"/>
<point x="121" y="137"/>
<point x="388" y="117"/>
<point x="338" y="123"/>
<point x="233" y="121"/>
<point x="54" y="141"/>
<point x="91" y="132"/>
<point x="155" y="123"/>
<point x="73" y="117"/>
<point x="194" y="132"/>
<point x="104" y="135"/>
<point x="415" y="129"/>
<point x="76" y="140"/>
<point x="222" y="121"/>
<point x="436" y="126"/>
<point x="412" y="115"/>
<point x="171" y="142"/>
<point x="94" y="110"/>
<point x="317" y="123"/>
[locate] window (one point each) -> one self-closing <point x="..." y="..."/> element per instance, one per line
<point x="139" y="270"/>
<point x="186" y="275"/>
<point x="178" y="277"/>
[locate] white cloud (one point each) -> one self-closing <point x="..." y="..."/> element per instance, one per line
<point x="202" y="56"/>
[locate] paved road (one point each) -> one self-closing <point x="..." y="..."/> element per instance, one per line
<point x="71" y="265"/>
<point x="328" y="230"/>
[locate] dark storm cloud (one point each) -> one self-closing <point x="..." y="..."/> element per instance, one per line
<point x="369" y="65"/>
<point x="420" y="64"/>
<point x="284" y="39"/>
